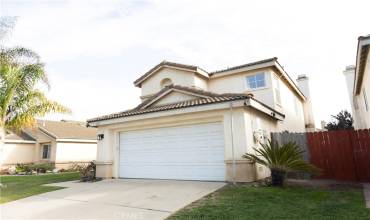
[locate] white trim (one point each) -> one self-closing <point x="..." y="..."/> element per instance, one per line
<point x="264" y="109"/>
<point x="257" y="88"/>
<point x="290" y="81"/>
<point x="171" y="90"/>
<point x="202" y="73"/>
<point x="208" y="107"/>
<point x="243" y="69"/>
<point x="361" y="43"/>
<point x="20" y="142"/>
<point x="191" y="109"/>
<point x="103" y="162"/>
<point x="76" y="140"/>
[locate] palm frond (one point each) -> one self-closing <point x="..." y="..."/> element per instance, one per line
<point x="286" y="157"/>
<point x="20" y="101"/>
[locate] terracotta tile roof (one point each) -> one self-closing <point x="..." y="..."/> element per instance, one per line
<point x="176" y="87"/>
<point x="244" y="65"/>
<point x="166" y="63"/>
<point x="210" y="99"/>
<point x="67" y="130"/>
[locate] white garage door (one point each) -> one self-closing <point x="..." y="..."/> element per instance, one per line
<point x="192" y="152"/>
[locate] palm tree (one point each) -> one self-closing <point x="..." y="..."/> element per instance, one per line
<point x="281" y="159"/>
<point x="21" y="72"/>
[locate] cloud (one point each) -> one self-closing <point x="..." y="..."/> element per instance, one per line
<point x="317" y="38"/>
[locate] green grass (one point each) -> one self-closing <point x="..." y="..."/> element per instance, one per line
<point x="17" y="187"/>
<point x="247" y="202"/>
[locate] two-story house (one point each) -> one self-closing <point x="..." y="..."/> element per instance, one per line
<point x="196" y="125"/>
<point x="358" y="84"/>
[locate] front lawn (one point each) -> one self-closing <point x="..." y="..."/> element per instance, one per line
<point x="247" y="202"/>
<point x="17" y="187"/>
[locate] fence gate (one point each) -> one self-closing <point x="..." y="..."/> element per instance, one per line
<point x="332" y="152"/>
<point x="361" y="153"/>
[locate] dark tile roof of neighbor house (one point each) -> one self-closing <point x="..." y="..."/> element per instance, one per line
<point x="66" y="129"/>
<point x="18" y="136"/>
<point x="210" y="98"/>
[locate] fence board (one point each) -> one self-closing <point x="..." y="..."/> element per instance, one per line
<point x="342" y="155"/>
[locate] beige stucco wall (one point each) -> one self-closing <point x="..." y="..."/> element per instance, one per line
<point x="174" y="97"/>
<point x="238" y="136"/>
<point x="178" y="77"/>
<point x="361" y="115"/>
<point x="75" y="152"/>
<point x="236" y="83"/>
<point x="292" y="106"/>
<point x="14" y="153"/>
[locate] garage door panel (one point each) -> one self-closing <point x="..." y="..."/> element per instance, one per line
<point x="194" y="152"/>
<point x="172" y="171"/>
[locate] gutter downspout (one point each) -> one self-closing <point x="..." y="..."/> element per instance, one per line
<point x="232" y="142"/>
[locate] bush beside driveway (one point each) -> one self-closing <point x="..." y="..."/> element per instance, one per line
<point x="17" y="187"/>
<point x="248" y="202"/>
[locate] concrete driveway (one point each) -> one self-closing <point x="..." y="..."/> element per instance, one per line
<point x="131" y="199"/>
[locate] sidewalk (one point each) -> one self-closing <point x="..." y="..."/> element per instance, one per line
<point x="367" y="194"/>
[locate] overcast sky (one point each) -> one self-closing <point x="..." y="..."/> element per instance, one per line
<point x="94" y="50"/>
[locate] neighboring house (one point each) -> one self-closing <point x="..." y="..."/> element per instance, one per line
<point x="358" y="84"/>
<point x="196" y="125"/>
<point x="62" y="143"/>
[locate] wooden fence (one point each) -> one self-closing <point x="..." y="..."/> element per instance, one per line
<point x="342" y="155"/>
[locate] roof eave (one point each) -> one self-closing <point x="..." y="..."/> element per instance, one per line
<point x="361" y="57"/>
<point x="211" y="106"/>
<point x="195" y="70"/>
<point x="289" y="80"/>
<point x="243" y="69"/>
<point x="271" y="63"/>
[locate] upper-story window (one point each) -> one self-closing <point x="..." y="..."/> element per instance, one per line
<point x="365" y="100"/>
<point x="166" y="82"/>
<point x="256" y="81"/>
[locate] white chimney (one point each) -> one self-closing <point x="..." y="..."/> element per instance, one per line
<point x="349" y="74"/>
<point x="303" y="84"/>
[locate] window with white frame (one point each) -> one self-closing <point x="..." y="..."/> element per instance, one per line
<point x="296" y="107"/>
<point x="46" y="151"/>
<point x="365" y="99"/>
<point x="256" y="81"/>
<point x="277" y="91"/>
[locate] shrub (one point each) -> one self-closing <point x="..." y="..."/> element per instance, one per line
<point x="87" y="171"/>
<point x="23" y="168"/>
<point x="42" y="167"/>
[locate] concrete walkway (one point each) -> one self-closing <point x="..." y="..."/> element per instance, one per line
<point x="367" y="194"/>
<point x="110" y="199"/>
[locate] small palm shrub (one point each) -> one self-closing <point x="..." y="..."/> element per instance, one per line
<point x="281" y="159"/>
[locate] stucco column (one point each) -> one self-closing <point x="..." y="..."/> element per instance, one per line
<point x="237" y="168"/>
<point x="105" y="157"/>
